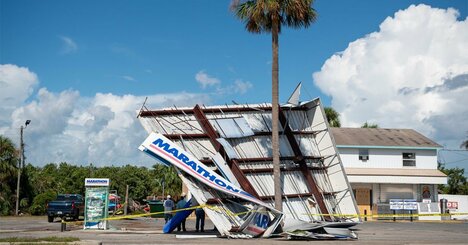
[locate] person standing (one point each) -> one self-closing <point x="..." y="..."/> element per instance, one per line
<point x="180" y="205"/>
<point x="168" y="207"/>
<point x="200" y="222"/>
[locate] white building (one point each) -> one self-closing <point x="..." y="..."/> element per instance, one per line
<point x="383" y="164"/>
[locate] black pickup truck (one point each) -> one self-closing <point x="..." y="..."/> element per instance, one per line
<point x="65" y="205"/>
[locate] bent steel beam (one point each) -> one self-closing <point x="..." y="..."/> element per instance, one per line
<point x="303" y="165"/>
<point x="233" y="164"/>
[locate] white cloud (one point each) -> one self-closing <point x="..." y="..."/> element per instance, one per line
<point x="206" y="80"/>
<point x="17" y="84"/>
<point x="412" y="73"/>
<point x="241" y="86"/>
<point x="68" y="45"/>
<point x="129" y="78"/>
<point x="65" y="126"/>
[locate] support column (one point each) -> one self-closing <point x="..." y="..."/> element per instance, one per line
<point x="303" y="165"/>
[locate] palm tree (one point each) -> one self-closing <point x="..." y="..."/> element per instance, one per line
<point x="333" y="117"/>
<point x="268" y="16"/>
<point x="8" y="167"/>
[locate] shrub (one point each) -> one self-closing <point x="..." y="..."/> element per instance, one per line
<point x="39" y="203"/>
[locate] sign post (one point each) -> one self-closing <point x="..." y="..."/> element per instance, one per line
<point x="96" y="203"/>
<point x="411" y="205"/>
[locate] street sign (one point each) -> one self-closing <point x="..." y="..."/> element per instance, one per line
<point x="410" y="204"/>
<point x="403" y="204"/>
<point x="396" y="204"/>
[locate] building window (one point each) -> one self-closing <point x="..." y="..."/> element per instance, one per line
<point x="363" y="154"/>
<point x="409" y="159"/>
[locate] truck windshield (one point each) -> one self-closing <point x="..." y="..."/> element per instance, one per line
<point x="67" y="197"/>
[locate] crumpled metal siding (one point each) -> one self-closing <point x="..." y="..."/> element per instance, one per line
<point x="220" y="214"/>
<point x="298" y="120"/>
<point x="174" y="124"/>
<point x="292" y="182"/>
<point x="259" y="147"/>
<point x="259" y="121"/>
<point x="342" y="201"/>
<point x="261" y="165"/>
<point x="308" y="145"/>
<point x="311" y="133"/>
<point x="298" y="208"/>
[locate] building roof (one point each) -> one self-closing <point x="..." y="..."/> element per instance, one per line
<point x="381" y="137"/>
<point x="395" y="172"/>
<point x="396" y="176"/>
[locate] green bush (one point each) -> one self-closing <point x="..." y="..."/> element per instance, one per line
<point x="5" y="207"/>
<point x="39" y="203"/>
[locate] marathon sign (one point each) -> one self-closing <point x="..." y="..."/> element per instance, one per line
<point x="97" y="182"/>
<point x="169" y="153"/>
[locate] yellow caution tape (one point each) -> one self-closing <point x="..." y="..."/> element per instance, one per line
<point x="228" y="212"/>
<point x="142" y="215"/>
<point x="387" y="215"/>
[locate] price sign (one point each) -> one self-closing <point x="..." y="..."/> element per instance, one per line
<point x="452" y="205"/>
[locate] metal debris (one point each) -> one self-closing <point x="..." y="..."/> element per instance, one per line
<point x="233" y="143"/>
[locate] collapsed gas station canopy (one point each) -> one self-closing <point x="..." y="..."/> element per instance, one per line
<point x="235" y="142"/>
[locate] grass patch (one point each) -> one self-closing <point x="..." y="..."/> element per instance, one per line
<point x="42" y="243"/>
<point x="41" y="239"/>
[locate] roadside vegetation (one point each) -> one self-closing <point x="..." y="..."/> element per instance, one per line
<point x="52" y="240"/>
<point x="39" y="185"/>
<point x="41" y="240"/>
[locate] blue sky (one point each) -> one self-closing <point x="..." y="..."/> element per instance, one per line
<point x="94" y="51"/>
<point x="162" y="44"/>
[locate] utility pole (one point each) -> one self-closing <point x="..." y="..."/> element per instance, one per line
<point x="126" y="201"/>
<point x="20" y="161"/>
<point x="20" y="165"/>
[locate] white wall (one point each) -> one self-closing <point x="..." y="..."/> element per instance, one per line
<point x="387" y="158"/>
<point x="462" y="204"/>
<point x="382" y="192"/>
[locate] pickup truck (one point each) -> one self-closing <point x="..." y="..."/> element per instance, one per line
<point x="65" y="205"/>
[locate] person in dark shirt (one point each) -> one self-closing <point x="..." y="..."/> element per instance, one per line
<point x="180" y="205"/>
<point x="200" y="222"/>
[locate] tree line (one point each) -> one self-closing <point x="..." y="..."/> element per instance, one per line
<point x="41" y="184"/>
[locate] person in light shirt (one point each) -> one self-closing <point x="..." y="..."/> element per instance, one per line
<point x="168" y="207"/>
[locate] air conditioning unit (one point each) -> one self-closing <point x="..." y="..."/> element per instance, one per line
<point x="363" y="158"/>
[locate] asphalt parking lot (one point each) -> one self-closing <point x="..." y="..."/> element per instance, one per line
<point x="149" y="231"/>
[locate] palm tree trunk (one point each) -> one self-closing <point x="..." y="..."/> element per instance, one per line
<point x="275" y="129"/>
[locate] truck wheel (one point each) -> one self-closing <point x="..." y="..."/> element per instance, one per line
<point x="77" y="215"/>
<point x="50" y="219"/>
